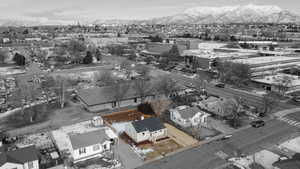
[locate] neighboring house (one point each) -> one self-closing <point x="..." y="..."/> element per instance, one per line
<point x="89" y="145"/>
<point x="23" y="158"/>
<point x="150" y="129"/>
<point x="214" y="105"/>
<point x="189" y="116"/>
<point x="97" y="99"/>
<point x="103" y="98"/>
<point x="287" y="164"/>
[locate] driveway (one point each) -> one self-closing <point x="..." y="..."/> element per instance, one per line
<point x="127" y="156"/>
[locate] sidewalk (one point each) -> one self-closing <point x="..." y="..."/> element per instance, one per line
<point x="286" y="112"/>
<point x="128" y="158"/>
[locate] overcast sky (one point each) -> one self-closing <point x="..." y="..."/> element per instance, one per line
<point x="72" y="10"/>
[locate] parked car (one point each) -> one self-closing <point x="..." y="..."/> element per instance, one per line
<point x="226" y="137"/>
<point x="257" y="124"/>
<point x="296" y="98"/>
<point x="220" y="85"/>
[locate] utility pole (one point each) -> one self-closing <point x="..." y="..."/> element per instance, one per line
<point x="62" y="97"/>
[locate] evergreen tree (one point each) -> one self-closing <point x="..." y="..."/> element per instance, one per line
<point x="174" y="53"/>
<point x="98" y="55"/>
<point x="19" y="59"/>
<point x="88" y="59"/>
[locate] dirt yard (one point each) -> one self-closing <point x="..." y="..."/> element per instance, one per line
<point x="160" y="148"/>
<point x="180" y="137"/>
<point x="123" y="116"/>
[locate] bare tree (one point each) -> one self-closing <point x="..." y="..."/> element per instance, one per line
<point x="160" y="106"/>
<point x="283" y="83"/>
<point x="47" y="86"/>
<point x="196" y="131"/>
<point x="16" y="99"/>
<point x="74" y="49"/>
<point x="269" y="103"/>
<point x="105" y="78"/>
<point x="24" y="87"/>
<point x="200" y="85"/>
<point x="3" y="55"/>
<point x="234" y="73"/>
<point x="61" y="85"/>
<point x="240" y="101"/>
<point x="119" y="92"/>
<point x="126" y="66"/>
<point x="143" y="70"/>
<point x="232" y="108"/>
<point x="143" y="88"/>
<point x="166" y="86"/>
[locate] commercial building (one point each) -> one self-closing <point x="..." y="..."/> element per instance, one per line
<point x="279" y="82"/>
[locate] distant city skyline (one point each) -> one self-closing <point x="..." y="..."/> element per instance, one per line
<point x="71" y="11"/>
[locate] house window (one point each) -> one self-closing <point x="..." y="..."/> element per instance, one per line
<point x="96" y="147"/>
<point x="81" y="151"/>
<point x="135" y="100"/>
<point x="30" y="165"/>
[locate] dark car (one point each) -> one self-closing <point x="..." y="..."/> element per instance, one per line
<point x="257" y="124"/>
<point x="296" y="98"/>
<point x="220" y="85"/>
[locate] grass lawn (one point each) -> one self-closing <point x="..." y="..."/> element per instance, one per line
<point x="55" y="118"/>
<point x="39" y="113"/>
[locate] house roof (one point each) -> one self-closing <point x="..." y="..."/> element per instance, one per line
<point x="20" y="156"/>
<point x="288" y="164"/>
<point x="216" y="103"/>
<point x="151" y="124"/>
<point x="88" y="139"/>
<point x="189" y="112"/>
<point x="100" y="95"/>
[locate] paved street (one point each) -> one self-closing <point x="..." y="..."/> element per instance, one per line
<point x="209" y="156"/>
<point x="128" y="158"/>
<point x="252" y="99"/>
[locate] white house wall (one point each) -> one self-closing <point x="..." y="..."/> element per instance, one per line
<point x="35" y="165"/>
<point x="176" y="118"/>
<point x="11" y="166"/>
<point x="159" y="134"/>
<point x="137" y="137"/>
<point x="89" y="151"/>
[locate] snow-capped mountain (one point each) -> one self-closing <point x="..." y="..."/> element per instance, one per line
<point x="231" y="14"/>
<point x="196" y="15"/>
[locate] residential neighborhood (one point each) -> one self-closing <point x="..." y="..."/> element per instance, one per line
<point x="160" y="85"/>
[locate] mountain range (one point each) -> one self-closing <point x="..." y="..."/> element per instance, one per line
<point x="231" y="14"/>
<point x="196" y="15"/>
